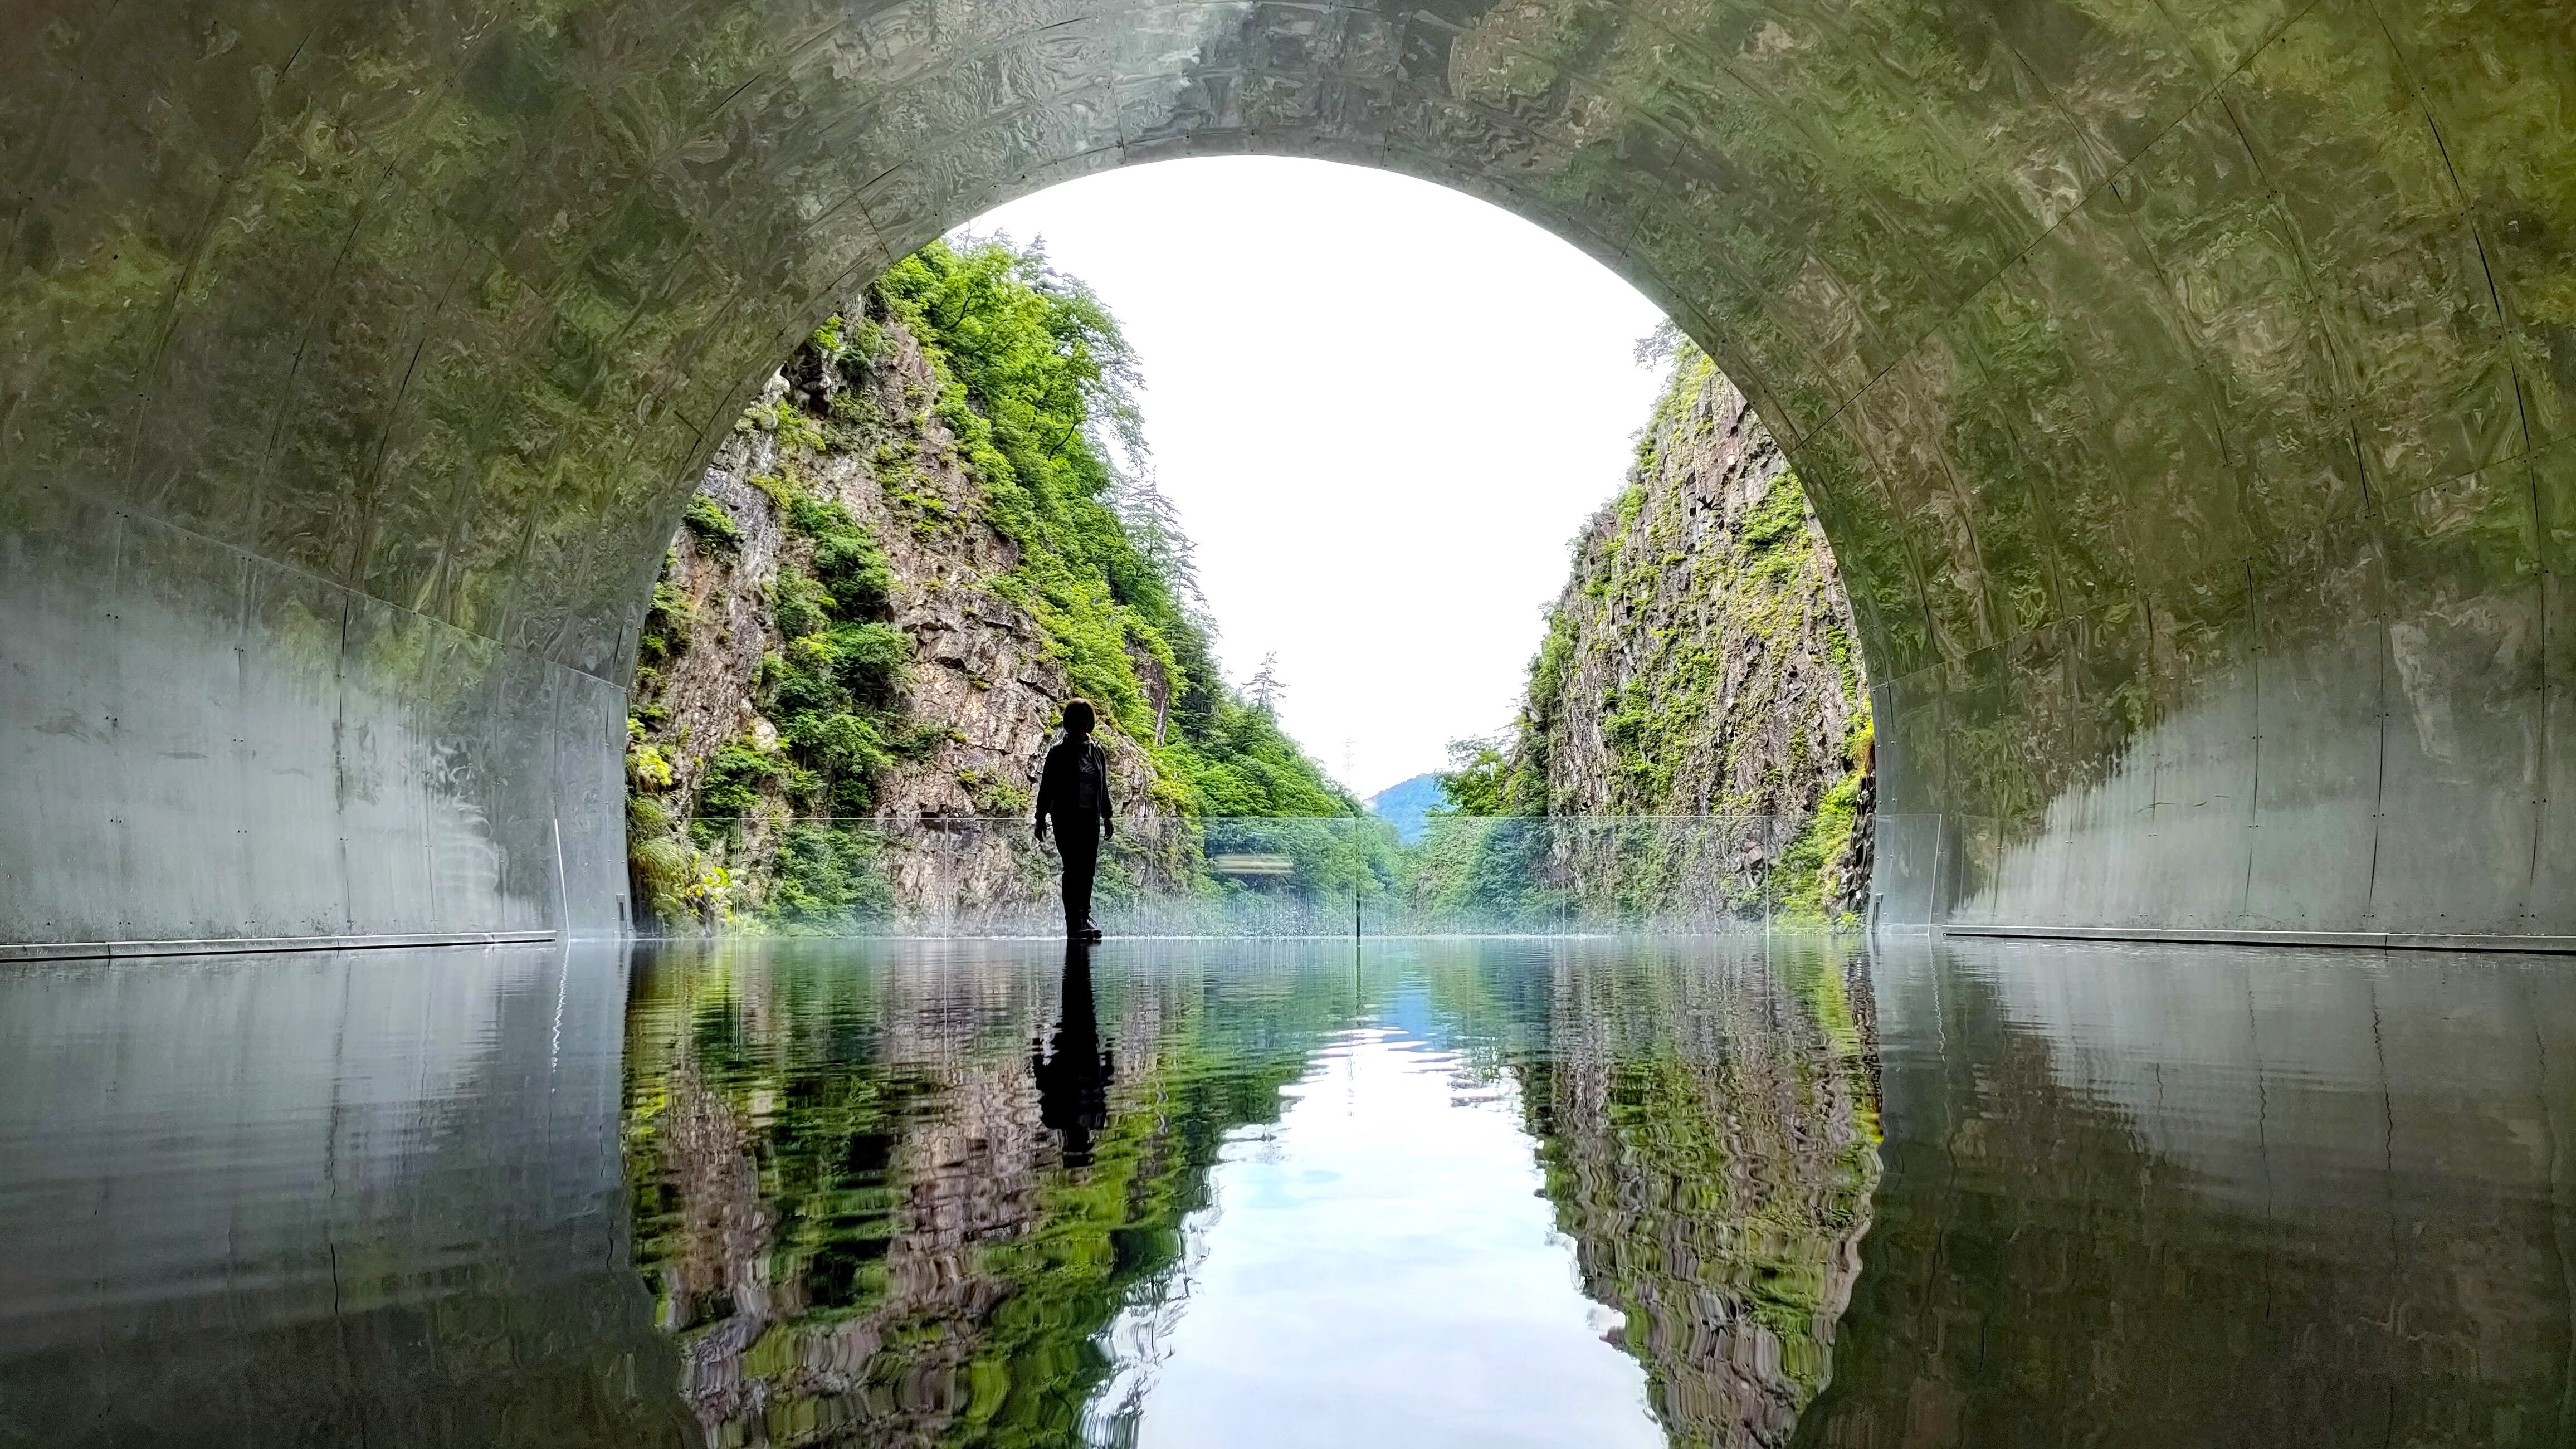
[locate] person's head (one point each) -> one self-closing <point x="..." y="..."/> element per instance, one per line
<point x="1078" y="717"/>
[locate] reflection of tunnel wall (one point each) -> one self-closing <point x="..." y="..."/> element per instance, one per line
<point x="2213" y="1197"/>
<point x="2184" y="387"/>
<point x="361" y="1198"/>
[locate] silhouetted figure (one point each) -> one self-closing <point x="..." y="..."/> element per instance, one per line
<point x="1073" y="1079"/>
<point x="1073" y="791"/>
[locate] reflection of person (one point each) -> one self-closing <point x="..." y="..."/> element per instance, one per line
<point x="1073" y="1080"/>
<point x="1073" y="791"/>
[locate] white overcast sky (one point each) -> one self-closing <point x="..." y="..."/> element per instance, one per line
<point x="1384" y="409"/>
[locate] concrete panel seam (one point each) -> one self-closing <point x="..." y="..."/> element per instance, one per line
<point x="140" y="950"/>
<point x="2345" y="940"/>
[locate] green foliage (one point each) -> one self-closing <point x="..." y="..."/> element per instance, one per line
<point x="1489" y="867"/>
<point x="848" y="560"/>
<point x="1781" y="515"/>
<point x="803" y="605"/>
<point x="665" y="618"/>
<point x="672" y="880"/>
<point x="993" y="795"/>
<point x="850" y="751"/>
<point x="1479" y="780"/>
<point x="1039" y="392"/>
<point x="789" y="422"/>
<point x="1243" y="764"/>
<point x="733" y="782"/>
<point x="660" y="865"/>
<point x="713" y="528"/>
<point x="828" y="878"/>
<point x="649" y="768"/>
<point x="827" y="338"/>
<point x="1804" y="879"/>
<point x="842" y="666"/>
<point x="1548" y="668"/>
<point x="844" y="344"/>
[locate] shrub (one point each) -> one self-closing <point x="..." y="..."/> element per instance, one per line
<point x="661" y="868"/>
<point x="734" y="781"/>
<point x="844" y="743"/>
<point x="804" y="605"/>
<point x="992" y="795"/>
<point x="665" y="619"/>
<point x="829" y="878"/>
<point x="868" y="659"/>
<point x="650" y="769"/>
<point x="848" y="561"/>
<point x="713" y="528"/>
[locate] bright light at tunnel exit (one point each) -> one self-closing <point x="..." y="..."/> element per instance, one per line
<point x="1384" y="408"/>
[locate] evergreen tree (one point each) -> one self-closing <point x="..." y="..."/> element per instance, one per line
<point x="1265" y="686"/>
<point x="1154" y="521"/>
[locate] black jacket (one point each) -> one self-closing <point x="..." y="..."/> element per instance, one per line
<point x="1075" y="782"/>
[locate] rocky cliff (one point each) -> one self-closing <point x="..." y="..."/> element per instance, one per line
<point x="960" y="712"/>
<point x="912" y="551"/>
<point x="1700" y="663"/>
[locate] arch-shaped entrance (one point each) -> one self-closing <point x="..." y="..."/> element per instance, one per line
<point x="2186" y="388"/>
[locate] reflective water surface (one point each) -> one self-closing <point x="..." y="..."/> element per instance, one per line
<point x="1562" y="1192"/>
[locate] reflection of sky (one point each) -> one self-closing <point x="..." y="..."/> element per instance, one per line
<point x="1380" y="1268"/>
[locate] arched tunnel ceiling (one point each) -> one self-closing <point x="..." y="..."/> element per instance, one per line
<point x="2185" y="386"/>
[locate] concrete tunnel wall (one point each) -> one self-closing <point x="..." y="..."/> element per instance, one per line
<point x="2185" y="386"/>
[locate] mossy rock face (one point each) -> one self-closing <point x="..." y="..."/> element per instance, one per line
<point x="1700" y="663"/>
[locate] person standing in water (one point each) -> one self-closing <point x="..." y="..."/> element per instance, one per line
<point x="1073" y="791"/>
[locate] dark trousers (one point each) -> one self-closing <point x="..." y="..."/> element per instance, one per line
<point x="1078" y="841"/>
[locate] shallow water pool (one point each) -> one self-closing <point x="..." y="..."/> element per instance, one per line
<point x="1183" y="1193"/>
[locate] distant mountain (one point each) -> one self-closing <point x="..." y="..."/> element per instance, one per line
<point x="1407" y="806"/>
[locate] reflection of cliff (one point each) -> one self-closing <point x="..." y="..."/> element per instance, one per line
<point x="859" y="1211"/>
<point x="1709" y="1129"/>
<point x="2198" y="1196"/>
<point x="811" y="1208"/>
<point x="809" y="1332"/>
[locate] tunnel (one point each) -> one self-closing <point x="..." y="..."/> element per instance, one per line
<point x="2184" y="386"/>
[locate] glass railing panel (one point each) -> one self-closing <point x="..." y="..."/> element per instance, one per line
<point x="1920" y="867"/>
<point x="1334" y="876"/>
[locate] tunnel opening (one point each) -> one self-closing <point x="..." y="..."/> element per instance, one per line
<point x="2183" y="391"/>
<point x="940" y="518"/>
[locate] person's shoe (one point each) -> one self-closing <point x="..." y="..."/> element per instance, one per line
<point x="1091" y="933"/>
